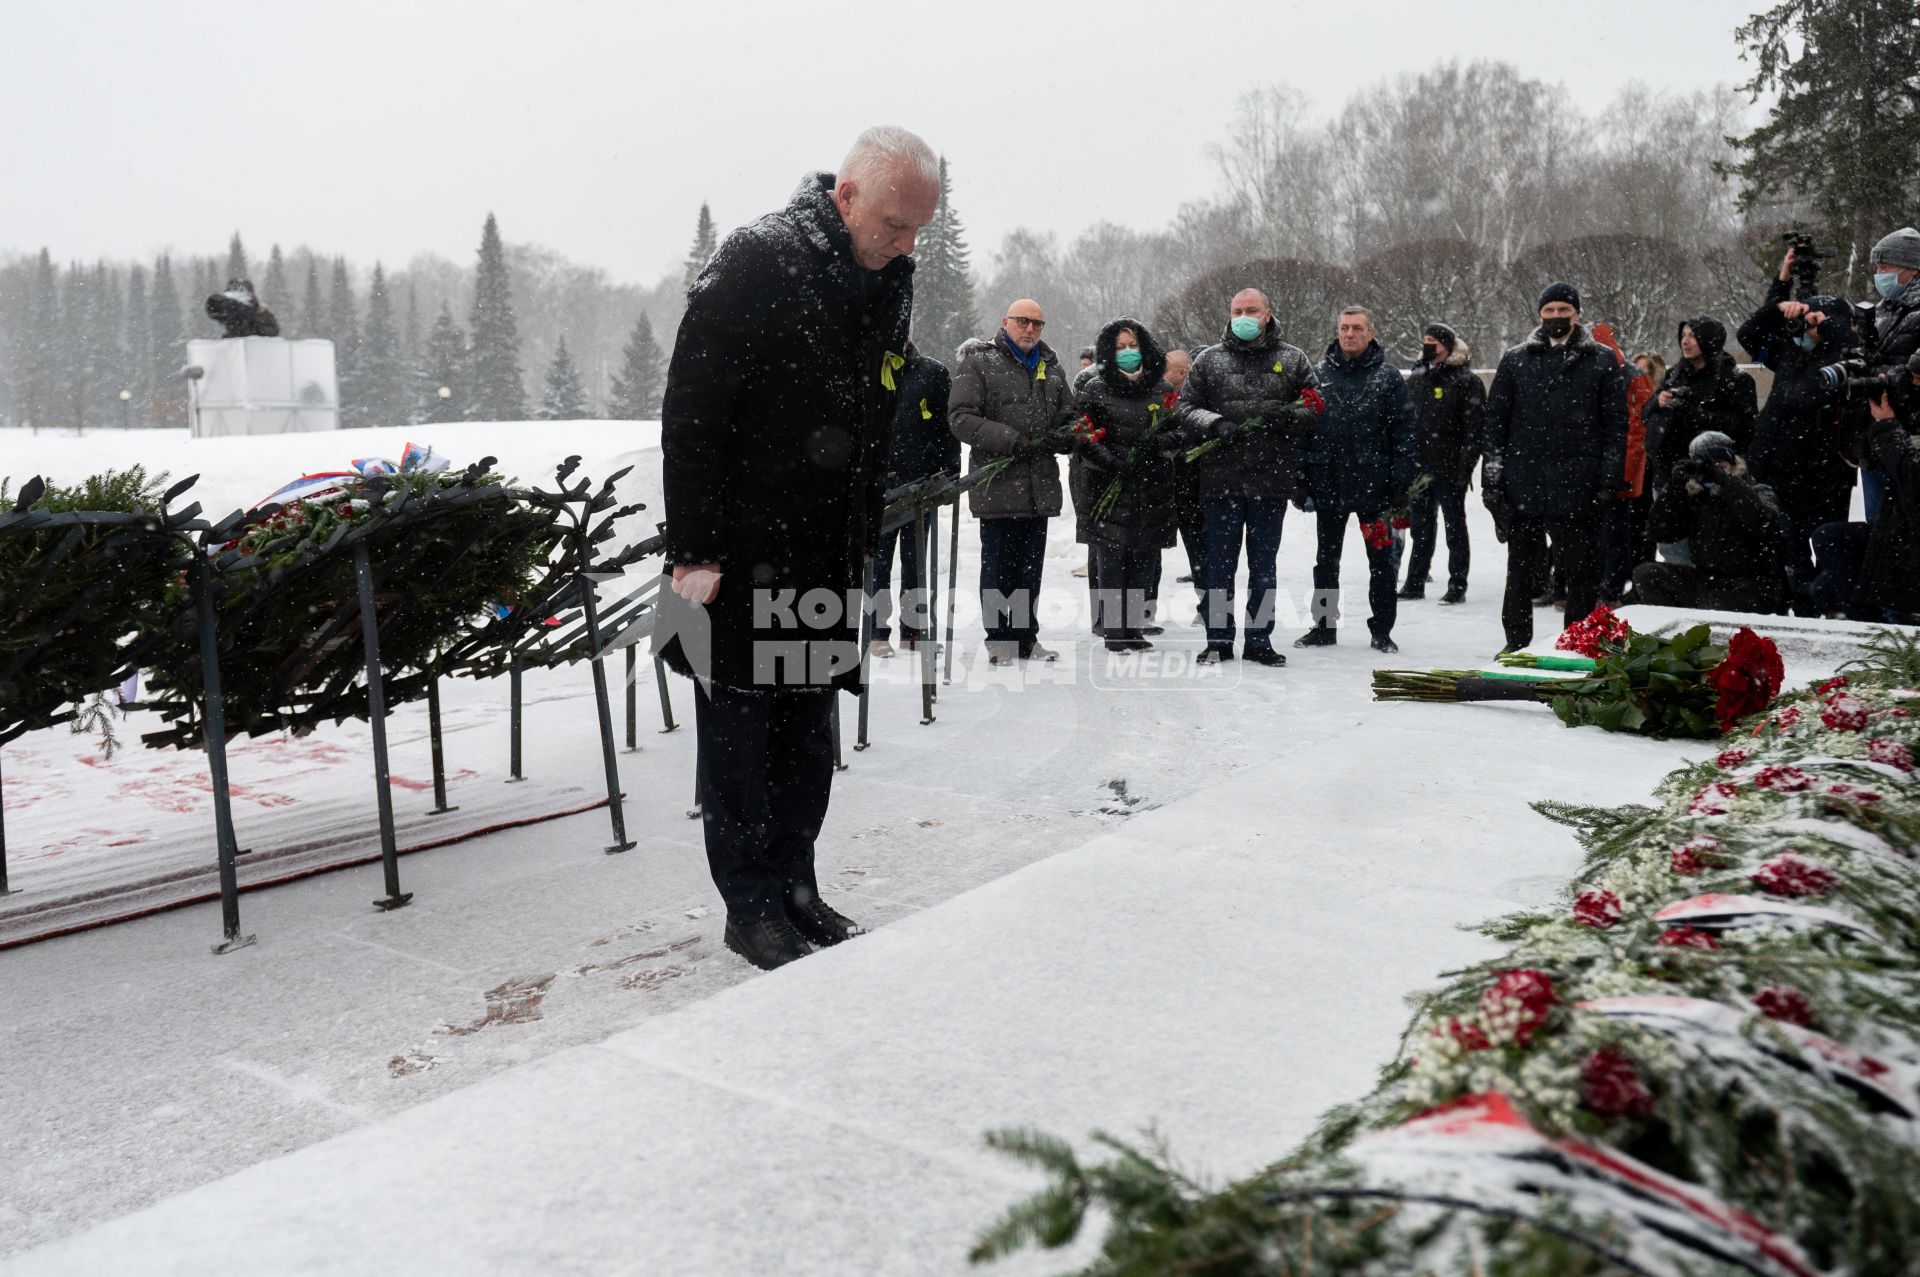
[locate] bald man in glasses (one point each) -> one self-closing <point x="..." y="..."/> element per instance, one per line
<point x="1013" y="398"/>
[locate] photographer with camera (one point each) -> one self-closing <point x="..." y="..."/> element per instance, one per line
<point x="239" y="312"/>
<point x="1893" y="335"/>
<point x="1795" y="449"/>
<point x="1704" y="390"/>
<point x="1733" y="531"/>
<point x="1890" y="573"/>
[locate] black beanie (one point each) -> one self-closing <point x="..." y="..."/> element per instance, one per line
<point x="1444" y="335"/>
<point x="1561" y="292"/>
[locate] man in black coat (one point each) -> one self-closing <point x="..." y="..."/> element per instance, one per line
<point x="1890" y="573"/>
<point x="1556" y="457"/>
<point x="1732" y="529"/>
<point x="1705" y="390"/>
<point x="921" y="447"/>
<point x="1450" y="408"/>
<point x="1796" y="438"/>
<point x="774" y="459"/>
<point x="1246" y="391"/>
<point x="1360" y="463"/>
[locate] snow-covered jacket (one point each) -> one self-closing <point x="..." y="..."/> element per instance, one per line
<point x="1450" y="412"/>
<point x="1001" y="408"/>
<point x="1146" y="432"/>
<point x="1556" y="428"/>
<point x="1360" y="453"/>
<point x="1233" y="383"/>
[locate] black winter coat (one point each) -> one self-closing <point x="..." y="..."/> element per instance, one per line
<point x="920" y="444"/>
<point x="1360" y="454"/>
<point x="1232" y="383"/>
<point x="1144" y="437"/>
<point x="1736" y="538"/>
<point x="1450" y="411"/>
<point x="1556" y="428"/>
<point x="773" y="435"/>
<point x="1796" y="437"/>
<point x="1890" y="573"/>
<point x="1718" y="396"/>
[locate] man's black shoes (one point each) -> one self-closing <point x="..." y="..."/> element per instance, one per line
<point x="1454" y="594"/>
<point x="1412" y="590"/>
<point x="1318" y="636"/>
<point x="766" y="942"/>
<point x="1213" y="656"/>
<point x="1381" y="643"/>
<point x="1264" y="656"/>
<point x="820" y="922"/>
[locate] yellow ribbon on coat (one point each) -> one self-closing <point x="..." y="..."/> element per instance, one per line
<point x="926" y="413"/>
<point x="889" y="364"/>
<point x="1041" y="373"/>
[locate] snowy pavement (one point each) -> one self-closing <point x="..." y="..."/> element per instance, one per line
<point x="1101" y="904"/>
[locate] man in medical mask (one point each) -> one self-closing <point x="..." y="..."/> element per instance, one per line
<point x="1895" y="333"/>
<point x="1556" y="449"/>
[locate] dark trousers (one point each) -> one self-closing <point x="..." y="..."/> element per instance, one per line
<point x="910" y="580"/>
<point x="765" y="772"/>
<point x="1577" y="551"/>
<point x="1428" y="509"/>
<point x="1616" y="543"/>
<point x="1678" y="585"/>
<point x="1228" y="519"/>
<point x="1120" y="577"/>
<point x="1805" y="508"/>
<point x="1012" y="552"/>
<point x="1840" y="548"/>
<point x="1331" y="525"/>
<point x="1190" y="513"/>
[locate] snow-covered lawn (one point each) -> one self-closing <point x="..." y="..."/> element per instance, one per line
<point x="1104" y="899"/>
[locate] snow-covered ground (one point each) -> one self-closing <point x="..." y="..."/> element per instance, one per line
<point x="1105" y="897"/>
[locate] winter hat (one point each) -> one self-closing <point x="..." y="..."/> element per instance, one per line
<point x="1561" y="292"/>
<point x="1902" y="248"/>
<point x="1708" y="331"/>
<point x="1444" y="335"/>
<point x="1711" y="445"/>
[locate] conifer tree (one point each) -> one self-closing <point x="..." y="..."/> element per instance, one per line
<point x="168" y="351"/>
<point x="642" y="376"/>
<point x="275" y="295"/>
<point x="943" y="308"/>
<point x="139" y="343"/>
<point x="493" y="361"/>
<point x="704" y="245"/>
<point x="343" y="326"/>
<point x="565" y="399"/>
<point x="40" y="393"/>
<point x="383" y="384"/>
<point x="444" y="368"/>
<point x="236" y="260"/>
<point x="312" y="317"/>
<point x="1841" y="136"/>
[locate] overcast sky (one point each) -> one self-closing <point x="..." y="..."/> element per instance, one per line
<point x="381" y="130"/>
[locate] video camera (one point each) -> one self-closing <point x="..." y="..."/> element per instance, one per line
<point x="1856" y="378"/>
<point x="1807" y="257"/>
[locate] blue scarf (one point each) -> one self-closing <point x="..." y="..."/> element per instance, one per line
<point x="1030" y="358"/>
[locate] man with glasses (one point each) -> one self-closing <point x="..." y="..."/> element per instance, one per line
<point x="1012" y="400"/>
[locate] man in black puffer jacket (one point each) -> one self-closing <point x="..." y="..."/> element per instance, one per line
<point x="1129" y="399"/>
<point x="1360" y="463"/>
<point x="1450" y="406"/>
<point x="1246" y="391"/>
<point x="920" y="446"/>
<point x="1796" y="438"/>
<point x="1890" y="573"/>
<point x="1556" y="456"/>
<point x="1704" y="390"/>
<point x="773" y="442"/>
<point x="1893" y="336"/>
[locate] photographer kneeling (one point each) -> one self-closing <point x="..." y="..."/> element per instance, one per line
<point x="1733" y="530"/>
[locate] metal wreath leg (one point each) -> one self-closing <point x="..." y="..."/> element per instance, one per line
<point x="377" y="720"/>
<point x="213" y="723"/>
<point x="590" y="610"/>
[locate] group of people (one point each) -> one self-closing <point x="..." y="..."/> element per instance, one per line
<point x="1603" y="476"/>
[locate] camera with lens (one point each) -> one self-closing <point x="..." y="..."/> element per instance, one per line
<point x="1857" y="379"/>
<point x="1679" y="399"/>
<point x="1807" y="257"/>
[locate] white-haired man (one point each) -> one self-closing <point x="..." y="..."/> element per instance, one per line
<point x="774" y="460"/>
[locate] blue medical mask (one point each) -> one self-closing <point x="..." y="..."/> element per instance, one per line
<point x="1245" y="327"/>
<point x="1887" y="283"/>
<point x="1804" y="341"/>
<point x="1128" y="358"/>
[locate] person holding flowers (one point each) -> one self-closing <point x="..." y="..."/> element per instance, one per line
<point x="1360" y="464"/>
<point x="1253" y="396"/>
<point x="1122" y="474"/>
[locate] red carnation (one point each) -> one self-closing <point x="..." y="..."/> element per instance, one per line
<point x="1471" y="1037"/>
<point x="1590" y="638"/>
<point x="1684" y="862"/>
<point x="1833" y="684"/>
<point x="1891" y="752"/>
<point x="1713" y="798"/>
<point x="1170" y="401"/>
<point x="1311" y="398"/>
<point x="1610" y="1085"/>
<point x="1728" y="759"/>
<point x="1791" y="874"/>
<point x="1851" y="793"/>
<point x="1684" y="937"/>
<point x="1376" y="534"/>
<point x="1784" y="1003"/>
<point x="1845" y="714"/>
<point x="1783" y="779"/>
<point x="1787" y="717"/>
<point x="1526" y="996"/>
<point x="1747" y="679"/>
<point x="1597" y="907"/>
